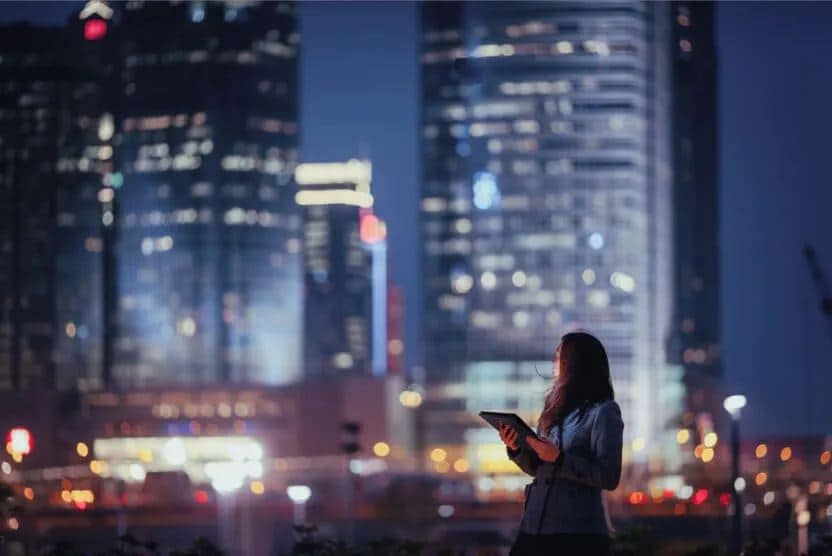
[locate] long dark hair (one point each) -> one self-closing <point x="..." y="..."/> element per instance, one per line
<point x="583" y="378"/>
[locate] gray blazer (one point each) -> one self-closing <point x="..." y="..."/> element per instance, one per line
<point x="590" y="461"/>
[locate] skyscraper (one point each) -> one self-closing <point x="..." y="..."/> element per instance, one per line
<point x="696" y="338"/>
<point x="34" y="78"/>
<point x="209" y="253"/>
<point x="56" y="151"/>
<point x="345" y="271"/>
<point x="162" y="195"/>
<point x="546" y="205"/>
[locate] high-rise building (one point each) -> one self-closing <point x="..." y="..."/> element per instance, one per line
<point x="209" y="248"/>
<point x="546" y="207"/>
<point x="35" y="80"/>
<point x="696" y="338"/>
<point x="345" y="271"/>
<point x="56" y="143"/>
<point x="155" y="144"/>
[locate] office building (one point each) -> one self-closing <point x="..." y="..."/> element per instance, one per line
<point x="345" y="270"/>
<point x="696" y="339"/>
<point x="546" y="207"/>
<point x="209" y="252"/>
<point x="162" y="203"/>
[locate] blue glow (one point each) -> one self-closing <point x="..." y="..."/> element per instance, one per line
<point x="486" y="193"/>
<point x="379" y="308"/>
<point x="197" y="13"/>
<point x="596" y="241"/>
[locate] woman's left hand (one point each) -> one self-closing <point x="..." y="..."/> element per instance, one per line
<point x="544" y="449"/>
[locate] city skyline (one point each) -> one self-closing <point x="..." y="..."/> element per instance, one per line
<point x="264" y="264"/>
<point x="789" y="324"/>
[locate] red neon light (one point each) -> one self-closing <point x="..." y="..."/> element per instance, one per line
<point x="724" y="498"/>
<point x="201" y="497"/>
<point x="700" y="496"/>
<point x="95" y="29"/>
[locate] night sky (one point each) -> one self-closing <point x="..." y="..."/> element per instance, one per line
<point x="360" y="98"/>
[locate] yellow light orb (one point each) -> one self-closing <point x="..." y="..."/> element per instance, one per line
<point x="438" y="454"/>
<point x="710" y="440"/>
<point x="381" y="449"/>
<point x="461" y="466"/>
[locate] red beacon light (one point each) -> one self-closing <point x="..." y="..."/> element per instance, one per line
<point x="95" y="29"/>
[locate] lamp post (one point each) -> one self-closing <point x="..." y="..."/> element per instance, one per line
<point x="299" y="494"/>
<point x="734" y="405"/>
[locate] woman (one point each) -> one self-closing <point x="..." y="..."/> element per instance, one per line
<point x="575" y="456"/>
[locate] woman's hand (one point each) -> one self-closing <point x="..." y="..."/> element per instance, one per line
<point x="544" y="449"/>
<point x="509" y="436"/>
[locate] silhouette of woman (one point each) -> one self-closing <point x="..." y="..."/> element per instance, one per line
<point x="576" y="455"/>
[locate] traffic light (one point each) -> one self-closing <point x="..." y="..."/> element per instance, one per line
<point x="349" y="440"/>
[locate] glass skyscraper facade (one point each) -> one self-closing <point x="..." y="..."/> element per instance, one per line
<point x="209" y="256"/>
<point x="155" y="144"/>
<point x="55" y="138"/>
<point x="34" y="79"/>
<point x="546" y="207"/>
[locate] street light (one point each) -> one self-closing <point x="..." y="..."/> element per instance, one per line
<point x="734" y="405"/>
<point x="299" y="494"/>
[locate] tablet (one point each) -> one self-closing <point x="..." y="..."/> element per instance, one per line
<point x="494" y="418"/>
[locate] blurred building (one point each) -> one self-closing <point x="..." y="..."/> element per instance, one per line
<point x="395" y="329"/>
<point x="546" y="207"/>
<point x="153" y="235"/>
<point x="34" y="80"/>
<point x="274" y="434"/>
<point x="166" y="461"/>
<point x="209" y="254"/>
<point x="696" y="329"/>
<point x="345" y="270"/>
<point x="56" y="140"/>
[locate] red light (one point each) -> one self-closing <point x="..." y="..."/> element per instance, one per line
<point x="19" y="441"/>
<point x="668" y="494"/>
<point x="201" y="497"/>
<point x="724" y="498"/>
<point x="371" y="229"/>
<point x="637" y="497"/>
<point x="700" y="496"/>
<point x="95" y="29"/>
<point x="81" y="505"/>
